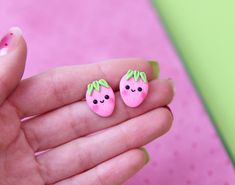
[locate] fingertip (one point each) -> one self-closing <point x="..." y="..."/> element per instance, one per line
<point x="146" y="154"/>
<point x="155" y="69"/>
<point x="16" y="30"/>
<point x="13" y="52"/>
<point x="122" y="65"/>
<point x="168" y="90"/>
<point x="160" y="122"/>
<point x="167" y="119"/>
<point x="169" y="109"/>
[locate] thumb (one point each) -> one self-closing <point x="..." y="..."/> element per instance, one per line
<point x="12" y="61"/>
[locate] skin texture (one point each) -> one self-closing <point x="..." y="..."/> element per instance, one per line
<point x="132" y="96"/>
<point x="104" y="107"/>
<point x="47" y="111"/>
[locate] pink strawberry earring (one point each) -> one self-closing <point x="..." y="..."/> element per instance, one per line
<point x="134" y="88"/>
<point x="100" y="98"/>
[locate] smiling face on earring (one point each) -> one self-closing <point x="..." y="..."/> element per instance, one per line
<point x="100" y="98"/>
<point x="133" y="88"/>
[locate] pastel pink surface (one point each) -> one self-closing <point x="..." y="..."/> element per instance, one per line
<point x="78" y="32"/>
<point x="130" y="98"/>
<point x="104" y="107"/>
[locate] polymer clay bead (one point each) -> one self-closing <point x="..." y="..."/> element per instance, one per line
<point x="134" y="88"/>
<point x="100" y="98"/>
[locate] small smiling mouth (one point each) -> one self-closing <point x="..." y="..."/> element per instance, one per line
<point x="132" y="90"/>
<point x="102" y="101"/>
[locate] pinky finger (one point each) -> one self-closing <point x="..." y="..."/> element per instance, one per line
<point x="114" y="171"/>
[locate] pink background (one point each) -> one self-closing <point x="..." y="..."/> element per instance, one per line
<point x="86" y="31"/>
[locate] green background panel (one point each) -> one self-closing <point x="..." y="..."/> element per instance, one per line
<point x="203" y="32"/>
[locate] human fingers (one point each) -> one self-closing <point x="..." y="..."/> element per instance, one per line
<point x="84" y="153"/>
<point x="62" y="86"/>
<point x="76" y="120"/>
<point x="112" y="172"/>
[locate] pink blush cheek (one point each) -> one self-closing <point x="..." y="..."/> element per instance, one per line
<point x="143" y="95"/>
<point x="95" y="108"/>
<point x="124" y="93"/>
<point x="111" y="101"/>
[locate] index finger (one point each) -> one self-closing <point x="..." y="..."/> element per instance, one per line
<point x="62" y="86"/>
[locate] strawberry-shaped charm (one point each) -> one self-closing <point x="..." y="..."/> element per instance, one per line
<point x="134" y="88"/>
<point x="100" y="98"/>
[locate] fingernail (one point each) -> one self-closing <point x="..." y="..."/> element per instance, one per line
<point x="172" y="84"/>
<point x="9" y="41"/>
<point x="147" y="158"/>
<point x="155" y="69"/>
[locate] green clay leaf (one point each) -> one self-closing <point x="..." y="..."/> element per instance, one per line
<point x="143" y="77"/>
<point x="129" y="74"/>
<point x="136" y="75"/>
<point x="90" y="88"/>
<point x="96" y="85"/>
<point x="103" y="83"/>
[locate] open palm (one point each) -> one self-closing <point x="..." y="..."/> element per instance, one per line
<point x="48" y="113"/>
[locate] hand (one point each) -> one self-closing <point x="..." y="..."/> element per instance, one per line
<point x="47" y="113"/>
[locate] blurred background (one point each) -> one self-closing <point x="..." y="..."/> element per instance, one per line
<point x="192" y="40"/>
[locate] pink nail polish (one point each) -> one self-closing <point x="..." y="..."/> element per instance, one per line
<point x="9" y="41"/>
